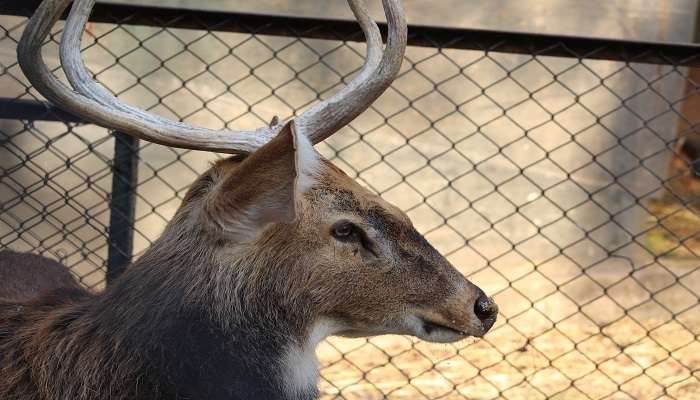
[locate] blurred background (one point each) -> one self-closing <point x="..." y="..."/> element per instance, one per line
<point x="564" y="186"/>
<point x="657" y="20"/>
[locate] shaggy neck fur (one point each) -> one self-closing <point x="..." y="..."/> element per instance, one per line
<point x="247" y="304"/>
<point x="186" y="325"/>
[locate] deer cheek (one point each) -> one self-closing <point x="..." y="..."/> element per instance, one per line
<point x="349" y="252"/>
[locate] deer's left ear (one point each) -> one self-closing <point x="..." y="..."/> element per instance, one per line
<point x="266" y="187"/>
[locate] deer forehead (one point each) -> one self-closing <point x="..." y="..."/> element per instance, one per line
<point x="337" y="191"/>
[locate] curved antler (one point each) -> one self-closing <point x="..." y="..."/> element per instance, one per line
<point x="93" y="103"/>
<point x="327" y="117"/>
<point x="32" y="63"/>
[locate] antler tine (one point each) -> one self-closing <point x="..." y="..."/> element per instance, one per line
<point x="99" y="106"/>
<point x="329" y="116"/>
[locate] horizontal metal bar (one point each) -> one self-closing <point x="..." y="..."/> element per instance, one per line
<point x="423" y="36"/>
<point x="33" y="110"/>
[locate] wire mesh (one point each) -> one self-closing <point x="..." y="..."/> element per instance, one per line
<point x="564" y="186"/>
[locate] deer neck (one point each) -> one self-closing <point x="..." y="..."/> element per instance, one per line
<point x="242" y="337"/>
<point x="300" y="366"/>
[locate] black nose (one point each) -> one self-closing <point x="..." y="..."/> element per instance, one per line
<point x="486" y="310"/>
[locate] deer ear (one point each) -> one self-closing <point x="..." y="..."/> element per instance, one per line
<point x="266" y="187"/>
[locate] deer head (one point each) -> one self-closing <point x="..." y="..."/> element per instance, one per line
<point x="276" y="237"/>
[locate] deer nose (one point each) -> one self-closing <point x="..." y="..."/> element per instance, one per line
<point x="486" y="310"/>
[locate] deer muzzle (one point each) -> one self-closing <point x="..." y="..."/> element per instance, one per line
<point x="468" y="312"/>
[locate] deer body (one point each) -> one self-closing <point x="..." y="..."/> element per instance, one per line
<point x="25" y="276"/>
<point x="152" y="336"/>
<point x="271" y="251"/>
<point x="74" y="345"/>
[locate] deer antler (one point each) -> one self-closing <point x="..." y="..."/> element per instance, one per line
<point x="95" y="104"/>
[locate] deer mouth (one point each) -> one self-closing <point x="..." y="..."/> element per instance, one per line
<point x="430" y="327"/>
<point x="437" y="332"/>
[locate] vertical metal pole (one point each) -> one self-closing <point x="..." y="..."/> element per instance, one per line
<point x="122" y="204"/>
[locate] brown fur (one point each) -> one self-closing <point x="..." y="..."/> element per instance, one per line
<point x="241" y="274"/>
<point x="26" y="276"/>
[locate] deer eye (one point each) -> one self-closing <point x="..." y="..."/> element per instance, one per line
<point x="345" y="231"/>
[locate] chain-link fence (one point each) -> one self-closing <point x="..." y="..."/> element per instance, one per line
<point x="558" y="173"/>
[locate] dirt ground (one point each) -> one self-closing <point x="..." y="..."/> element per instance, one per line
<point x="616" y="362"/>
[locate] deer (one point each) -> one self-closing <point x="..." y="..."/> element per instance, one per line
<point x="273" y="250"/>
<point x="31" y="275"/>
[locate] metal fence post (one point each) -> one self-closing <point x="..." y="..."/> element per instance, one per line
<point x="122" y="204"/>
